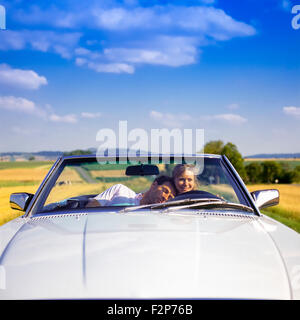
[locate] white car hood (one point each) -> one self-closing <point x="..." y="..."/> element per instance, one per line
<point x="143" y="255"/>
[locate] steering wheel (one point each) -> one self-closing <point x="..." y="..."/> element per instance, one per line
<point x="195" y="194"/>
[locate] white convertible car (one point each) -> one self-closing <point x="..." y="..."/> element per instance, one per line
<point x="94" y="230"/>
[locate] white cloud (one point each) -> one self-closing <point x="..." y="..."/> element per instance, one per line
<point x="226" y="117"/>
<point x="63" y="44"/>
<point x="169" y="119"/>
<point x="111" y="67"/>
<point x="162" y="50"/>
<point x="105" y="67"/>
<point x="26" y="79"/>
<point x="204" y="19"/>
<point x="292" y="111"/>
<point x="121" y="18"/>
<point x="69" y="118"/>
<point x="192" y="27"/>
<point x="167" y="35"/>
<point x="52" y="16"/>
<point x="90" y="115"/>
<point x="232" y="118"/>
<point x="17" y="104"/>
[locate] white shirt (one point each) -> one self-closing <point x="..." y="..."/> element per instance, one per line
<point x="118" y="195"/>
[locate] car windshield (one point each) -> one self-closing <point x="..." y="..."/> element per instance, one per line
<point x="87" y="183"/>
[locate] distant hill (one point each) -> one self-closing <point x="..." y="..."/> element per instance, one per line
<point x="40" y="153"/>
<point x="53" y="155"/>
<point x="19" y="156"/>
<point x="274" y="155"/>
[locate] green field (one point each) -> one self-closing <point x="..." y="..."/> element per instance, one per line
<point x="284" y="217"/>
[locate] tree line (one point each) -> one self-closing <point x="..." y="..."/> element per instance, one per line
<point x="254" y="172"/>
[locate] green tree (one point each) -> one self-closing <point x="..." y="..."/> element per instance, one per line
<point x="271" y="171"/>
<point x="214" y="147"/>
<point x="77" y="152"/>
<point x="296" y="174"/>
<point x="230" y="151"/>
<point x="253" y="171"/>
<point x="286" y="173"/>
<point x="286" y="176"/>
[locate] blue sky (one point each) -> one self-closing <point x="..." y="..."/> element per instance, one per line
<point x="70" y="68"/>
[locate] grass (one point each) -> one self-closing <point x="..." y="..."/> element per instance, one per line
<point x="288" y="210"/>
<point x="283" y="217"/>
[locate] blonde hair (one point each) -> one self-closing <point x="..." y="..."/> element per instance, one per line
<point x="179" y="169"/>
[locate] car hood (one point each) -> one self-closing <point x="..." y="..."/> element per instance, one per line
<point x="143" y="255"/>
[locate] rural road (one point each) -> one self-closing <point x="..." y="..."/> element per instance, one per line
<point x="84" y="175"/>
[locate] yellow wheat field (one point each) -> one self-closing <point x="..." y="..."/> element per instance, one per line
<point x="24" y="174"/>
<point x="107" y="173"/>
<point x="70" y="175"/>
<point x="61" y="192"/>
<point x="69" y="184"/>
<point x="289" y="200"/>
<point x="6" y="213"/>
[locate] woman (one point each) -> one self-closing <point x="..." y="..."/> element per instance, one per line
<point x="184" y="178"/>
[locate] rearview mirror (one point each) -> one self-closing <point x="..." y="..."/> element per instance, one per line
<point x="20" y="201"/>
<point x="142" y="170"/>
<point x="265" y="198"/>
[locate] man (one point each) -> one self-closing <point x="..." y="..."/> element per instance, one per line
<point x="161" y="190"/>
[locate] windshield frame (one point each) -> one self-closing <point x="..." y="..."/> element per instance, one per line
<point x="35" y="208"/>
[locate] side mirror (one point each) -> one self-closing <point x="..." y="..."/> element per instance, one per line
<point x="20" y="201"/>
<point x="265" y="198"/>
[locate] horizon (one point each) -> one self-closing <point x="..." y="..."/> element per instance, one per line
<point x="69" y="69"/>
<point x="294" y="155"/>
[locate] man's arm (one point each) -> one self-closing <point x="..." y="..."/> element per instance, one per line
<point x="107" y="196"/>
<point x="92" y="203"/>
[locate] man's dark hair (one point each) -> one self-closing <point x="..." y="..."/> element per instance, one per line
<point x="162" y="179"/>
